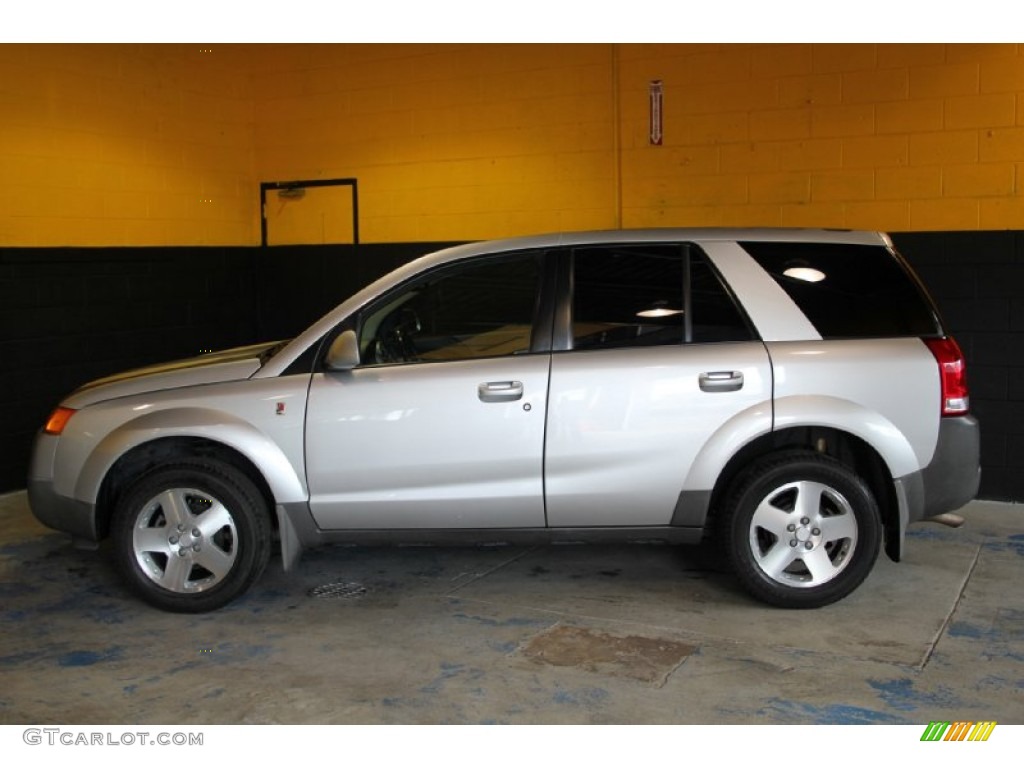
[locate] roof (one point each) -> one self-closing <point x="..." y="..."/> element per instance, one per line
<point x="668" y="234"/>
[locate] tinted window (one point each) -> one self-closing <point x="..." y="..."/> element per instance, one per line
<point x="860" y="290"/>
<point x="482" y="309"/>
<point x="639" y="295"/>
<point x="713" y="311"/>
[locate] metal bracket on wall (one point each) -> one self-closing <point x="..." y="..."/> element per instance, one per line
<point x="294" y="187"/>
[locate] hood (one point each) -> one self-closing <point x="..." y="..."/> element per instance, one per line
<point x="225" y="365"/>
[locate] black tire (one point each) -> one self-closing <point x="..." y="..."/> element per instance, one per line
<point x="801" y="530"/>
<point x="192" y="536"/>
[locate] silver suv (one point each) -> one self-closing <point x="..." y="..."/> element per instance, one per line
<point x="791" y="394"/>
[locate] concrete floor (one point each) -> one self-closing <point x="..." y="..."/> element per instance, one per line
<point x="557" y="634"/>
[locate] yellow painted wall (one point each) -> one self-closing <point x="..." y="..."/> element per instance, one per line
<point x="893" y="137"/>
<point x="126" y="145"/>
<point x="167" y="145"/>
<point x="448" y="142"/>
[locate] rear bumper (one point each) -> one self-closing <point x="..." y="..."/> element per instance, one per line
<point x="954" y="474"/>
<point x="947" y="483"/>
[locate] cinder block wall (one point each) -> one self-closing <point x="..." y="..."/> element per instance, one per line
<point x="491" y="140"/>
<point x="126" y="145"/>
<point x="893" y="137"/>
<point x="447" y="141"/>
<point x="166" y="145"/>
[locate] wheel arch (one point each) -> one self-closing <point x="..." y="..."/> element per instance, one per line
<point x="145" y="443"/>
<point x="845" y="447"/>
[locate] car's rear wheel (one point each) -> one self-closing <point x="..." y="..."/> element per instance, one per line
<point x="192" y="536"/>
<point x="801" y="530"/>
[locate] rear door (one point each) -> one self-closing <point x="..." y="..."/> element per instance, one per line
<point x="656" y="358"/>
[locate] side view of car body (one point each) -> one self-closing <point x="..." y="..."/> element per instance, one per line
<point x="791" y="393"/>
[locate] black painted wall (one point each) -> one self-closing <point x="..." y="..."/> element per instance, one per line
<point x="70" y="315"/>
<point x="977" y="279"/>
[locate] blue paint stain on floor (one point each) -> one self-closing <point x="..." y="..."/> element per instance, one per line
<point x="930" y="534"/>
<point x="902" y="694"/>
<point x="88" y="658"/>
<point x="448" y="672"/>
<point x="968" y="630"/>
<point x="14" y="589"/>
<point x="580" y="697"/>
<point x="513" y="622"/>
<point x="802" y="713"/>
<point x="22" y="549"/>
<point x="108" y="613"/>
<point x="999" y="683"/>
<point x="1016" y="547"/>
<point x="235" y="652"/>
<point x="17" y="659"/>
<point x="505" y="648"/>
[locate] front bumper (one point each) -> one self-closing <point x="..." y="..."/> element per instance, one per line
<point x="52" y="509"/>
<point x="60" y="512"/>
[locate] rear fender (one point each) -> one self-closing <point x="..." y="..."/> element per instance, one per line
<point x="846" y="416"/>
<point x="792" y="412"/>
<point x="741" y="429"/>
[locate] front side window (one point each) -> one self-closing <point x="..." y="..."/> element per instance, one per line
<point x="650" y="295"/>
<point x="477" y="310"/>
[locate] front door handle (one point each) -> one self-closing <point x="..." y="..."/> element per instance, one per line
<point x="500" y="391"/>
<point x="721" y="381"/>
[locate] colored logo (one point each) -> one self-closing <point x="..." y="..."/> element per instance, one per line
<point x="961" y="730"/>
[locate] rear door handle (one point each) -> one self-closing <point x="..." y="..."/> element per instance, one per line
<point x="500" y="391"/>
<point x="721" y="381"/>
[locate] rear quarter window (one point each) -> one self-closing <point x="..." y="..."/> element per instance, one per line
<point x="849" y="291"/>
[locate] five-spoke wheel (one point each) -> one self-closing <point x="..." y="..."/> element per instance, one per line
<point x="185" y="540"/>
<point x="193" y="536"/>
<point x="801" y="530"/>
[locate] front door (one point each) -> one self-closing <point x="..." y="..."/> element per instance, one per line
<point x="442" y="424"/>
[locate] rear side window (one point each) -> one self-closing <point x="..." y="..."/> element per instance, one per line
<point x="849" y="291"/>
<point x="650" y="295"/>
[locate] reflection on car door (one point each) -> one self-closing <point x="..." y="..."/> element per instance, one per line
<point x="442" y="425"/>
<point x="659" y="359"/>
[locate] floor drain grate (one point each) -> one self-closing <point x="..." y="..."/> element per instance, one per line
<point x="342" y="589"/>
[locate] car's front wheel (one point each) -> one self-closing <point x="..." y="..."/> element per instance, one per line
<point x="801" y="530"/>
<point x="192" y="536"/>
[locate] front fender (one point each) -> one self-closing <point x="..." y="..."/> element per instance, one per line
<point x="286" y="482"/>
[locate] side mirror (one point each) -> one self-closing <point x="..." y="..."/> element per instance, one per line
<point x="344" y="352"/>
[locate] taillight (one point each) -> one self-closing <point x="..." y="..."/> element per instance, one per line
<point x="952" y="376"/>
<point x="58" y="420"/>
